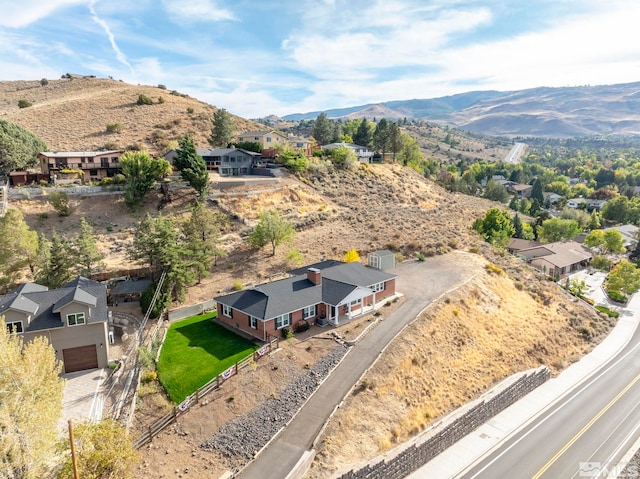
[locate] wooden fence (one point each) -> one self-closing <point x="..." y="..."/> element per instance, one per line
<point x="159" y="425"/>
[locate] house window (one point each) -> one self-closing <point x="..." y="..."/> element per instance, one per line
<point x="15" y="327"/>
<point x="268" y="139"/>
<point x="226" y="310"/>
<point x="75" y="319"/>
<point x="253" y="322"/>
<point x="377" y="287"/>
<point x="283" y="321"/>
<point x="309" y="312"/>
<point x="356" y="302"/>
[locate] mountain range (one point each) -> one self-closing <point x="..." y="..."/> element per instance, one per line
<point x="561" y="112"/>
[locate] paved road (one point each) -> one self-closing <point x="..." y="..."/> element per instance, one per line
<point x="421" y="283"/>
<point x="515" y="153"/>
<point x="595" y="423"/>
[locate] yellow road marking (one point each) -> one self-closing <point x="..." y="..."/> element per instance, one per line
<point x="585" y="428"/>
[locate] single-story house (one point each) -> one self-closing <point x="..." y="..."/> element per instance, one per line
<point x="586" y="203"/>
<point x="73" y="318"/>
<point x="327" y="291"/>
<point x="629" y="233"/>
<point x="517" y="244"/>
<point x="552" y="198"/>
<point x="95" y="165"/>
<point x="554" y="259"/>
<point x="362" y="152"/>
<point x="228" y="161"/>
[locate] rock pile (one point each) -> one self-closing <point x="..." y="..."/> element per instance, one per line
<point x="244" y="436"/>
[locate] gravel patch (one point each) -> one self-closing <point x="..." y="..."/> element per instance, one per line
<point x="632" y="470"/>
<point x="244" y="436"/>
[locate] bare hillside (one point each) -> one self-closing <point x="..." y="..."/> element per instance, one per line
<point x="73" y="114"/>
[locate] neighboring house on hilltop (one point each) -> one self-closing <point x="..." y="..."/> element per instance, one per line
<point x="327" y="291"/>
<point x="234" y="161"/>
<point x="299" y="143"/>
<point x="522" y="191"/>
<point x="362" y="152"/>
<point x="554" y="259"/>
<point x="269" y="139"/>
<point x="95" y="165"/>
<point x="587" y="203"/>
<point x="73" y="318"/>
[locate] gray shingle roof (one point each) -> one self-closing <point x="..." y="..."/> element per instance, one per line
<point x="131" y="287"/>
<point x="81" y="289"/>
<point x="268" y="300"/>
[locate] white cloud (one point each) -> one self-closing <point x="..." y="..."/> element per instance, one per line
<point x="19" y="14"/>
<point x="196" y="11"/>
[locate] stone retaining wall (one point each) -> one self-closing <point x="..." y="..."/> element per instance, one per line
<point x="408" y="459"/>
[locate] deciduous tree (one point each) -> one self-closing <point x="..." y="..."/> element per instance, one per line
<point x="496" y="227"/>
<point x="103" y="450"/>
<point x="351" y="256"/>
<point x="271" y="229"/>
<point x="625" y="278"/>
<point x="30" y="405"/>
<point x="558" y="229"/>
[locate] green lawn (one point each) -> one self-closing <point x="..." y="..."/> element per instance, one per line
<point x="195" y="351"/>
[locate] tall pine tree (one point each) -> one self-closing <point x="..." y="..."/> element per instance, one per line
<point x="192" y="167"/>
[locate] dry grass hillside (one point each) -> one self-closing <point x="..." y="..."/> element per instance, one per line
<point x="485" y="331"/>
<point x="73" y="114"/>
<point x="499" y="323"/>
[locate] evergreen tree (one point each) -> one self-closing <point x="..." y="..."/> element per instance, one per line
<point x="517" y="226"/>
<point x="86" y="249"/>
<point x="202" y="233"/>
<point x="141" y="173"/>
<point x="223" y="129"/>
<point x="395" y="140"/>
<point x="514" y="204"/>
<point x="323" y="130"/>
<point x="537" y="191"/>
<point x="61" y="266"/>
<point x="381" y="137"/>
<point x="19" y="148"/>
<point x="192" y="167"/>
<point x="495" y="191"/>
<point x="364" y="135"/>
<point x="18" y="248"/>
<point x="595" y="222"/>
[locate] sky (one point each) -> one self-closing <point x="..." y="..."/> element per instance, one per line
<point x="261" y="57"/>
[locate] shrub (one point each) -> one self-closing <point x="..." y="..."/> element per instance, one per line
<point x="148" y="376"/>
<point x="421" y="257"/>
<point x="60" y="202"/>
<point x="145" y="358"/>
<point x="493" y="269"/>
<point x="115" y="127"/>
<point x="286" y="333"/>
<point x="302" y="326"/>
<point x="601" y="263"/>
<point x="617" y="296"/>
<point x="44" y="82"/>
<point x="119" y="179"/>
<point x="237" y="285"/>
<point x="24" y="103"/>
<point x="43" y="216"/>
<point x="144" y="100"/>
<point x="607" y="311"/>
<point x="162" y="87"/>
<point x="106" y="181"/>
<point x="160" y="100"/>
<point x="190" y="110"/>
<point x="110" y="145"/>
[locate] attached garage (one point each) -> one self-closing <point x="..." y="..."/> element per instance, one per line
<point x="78" y="359"/>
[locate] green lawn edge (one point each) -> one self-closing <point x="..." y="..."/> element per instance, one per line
<point x="195" y="351"/>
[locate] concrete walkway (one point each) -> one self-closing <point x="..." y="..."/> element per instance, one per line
<point x="416" y="281"/>
<point x="459" y="457"/>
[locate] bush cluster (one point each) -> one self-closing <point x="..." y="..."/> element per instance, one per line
<point x="144" y="100"/>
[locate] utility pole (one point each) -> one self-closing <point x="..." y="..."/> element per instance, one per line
<point x="73" y="452"/>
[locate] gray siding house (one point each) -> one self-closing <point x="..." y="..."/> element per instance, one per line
<point x="73" y="318"/>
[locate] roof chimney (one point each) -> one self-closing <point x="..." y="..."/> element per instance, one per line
<point x="313" y="275"/>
